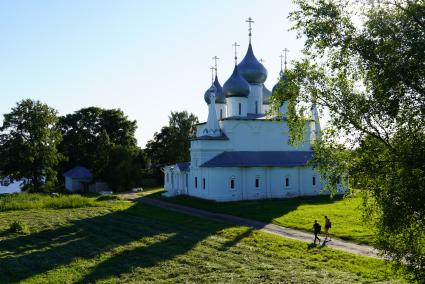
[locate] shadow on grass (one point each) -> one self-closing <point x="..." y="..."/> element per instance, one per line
<point x="126" y="236"/>
<point x="265" y="210"/>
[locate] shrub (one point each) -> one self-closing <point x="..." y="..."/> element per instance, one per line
<point x="19" y="227"/>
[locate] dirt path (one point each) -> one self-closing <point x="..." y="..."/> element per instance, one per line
<point x="258" y="225"/>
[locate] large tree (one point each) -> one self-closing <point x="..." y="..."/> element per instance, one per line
<point x="172" y="143"/>
<point x="364" y="64"/>
<point x="95" y="137"/>
<point x="28" y="145"/>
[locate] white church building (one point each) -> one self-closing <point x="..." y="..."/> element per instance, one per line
<point x="241" y="152"/>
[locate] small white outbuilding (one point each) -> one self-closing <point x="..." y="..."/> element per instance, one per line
<point x="77" y="179"/>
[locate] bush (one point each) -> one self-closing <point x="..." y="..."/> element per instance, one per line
<point x="19" y="227"/>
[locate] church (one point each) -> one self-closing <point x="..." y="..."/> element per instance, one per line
<point x="242" y="152"/>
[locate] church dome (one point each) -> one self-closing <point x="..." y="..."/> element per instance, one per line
<point x="251" y="69"/>
<point x="207" y="95"/>
<point x="281" y="78"/>
<point x="236" y="85"/>
<point x="266" y="95"/>
<point x="220" y="98"/>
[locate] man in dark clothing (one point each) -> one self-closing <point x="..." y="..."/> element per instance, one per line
<point x="317" y="228"/>
<point x="328" y="225"/>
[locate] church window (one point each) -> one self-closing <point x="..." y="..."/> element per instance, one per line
<point x="287" y="182"/>
<point x="240" y="109"/>
<point x="257" y="182"/>
<point x="203" y="183"/>
<point x="221" y="114"/>
<point x="314" y="181"/>
<point x="256" y="106"/>
<point x="232" y="183"/>
<point x="196" y="182"/>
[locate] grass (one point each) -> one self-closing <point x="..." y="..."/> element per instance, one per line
<point x="126" y="242"/>
<point x="24" y="201"/>
<point x="297" y="213"/>
<point x="150" y="191"/>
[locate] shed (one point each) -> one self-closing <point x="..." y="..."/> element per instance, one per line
<point x="77" y="179"/>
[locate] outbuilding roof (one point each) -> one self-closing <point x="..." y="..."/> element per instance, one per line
<point x="78" y="172"/>
<point x="260" y="159"/>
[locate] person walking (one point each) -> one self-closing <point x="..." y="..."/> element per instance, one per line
<point x="317" y="228"/>
<point x="328" y="225"/>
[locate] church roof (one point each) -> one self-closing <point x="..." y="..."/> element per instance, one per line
<point x="251" y="69"/>
<point x="260" y="159"/>
<point x="267" y="94"/>
<point x="220" y="98"/>
<point x="78" y="172"/>
<point x="236" y="85"/>
<point x="183" y="166"/>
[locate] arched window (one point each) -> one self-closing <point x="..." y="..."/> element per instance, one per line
<point x="256" y="106"/>
<point x="313" y="180"/>
<point x="232" y="182"/>
<point x="240" y="109"/>
<point x="287" y="184"/>
<point x="221" y="113"/>
<point x="167" y="178"/>
<point x="257" y="182"/>
<point x="203" y="183"/>
<point x="196" y="182"/>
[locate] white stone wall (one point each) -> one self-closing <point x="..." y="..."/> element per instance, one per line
<point x="221" y="111"/>
<point x="271" y="183"/>
<point x="255" y="96"/>
<point x="233" y="106"/>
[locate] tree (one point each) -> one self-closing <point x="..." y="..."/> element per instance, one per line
<point x="93" y="137"/>
<point x="28" y="145"/>
<point x="172" y="143"/>
<point x="365" y="65"/>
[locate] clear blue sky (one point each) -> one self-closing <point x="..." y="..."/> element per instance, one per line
<point x="147" y="58"/>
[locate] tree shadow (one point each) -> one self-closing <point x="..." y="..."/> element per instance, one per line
<point x="227" y="245"/>
<point x="125" y="234"/>
<point x="265" y="210"/>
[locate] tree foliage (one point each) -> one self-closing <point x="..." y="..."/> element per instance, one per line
<point x="364" y="64"/>
<point x="28" y="145"/>
<point x="104" y="141"/>
<point x="172" y="143"/>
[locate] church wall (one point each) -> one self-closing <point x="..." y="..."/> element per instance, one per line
<point x="255" y="95"/>
<point x="220" y="110"/>
<point x="233" y="106"/>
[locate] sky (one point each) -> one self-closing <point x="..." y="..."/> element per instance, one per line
<point x="147" y="58"/>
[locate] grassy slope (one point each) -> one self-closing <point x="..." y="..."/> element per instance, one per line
<point x="298" y="213"/>
<point x="125" y="242"/>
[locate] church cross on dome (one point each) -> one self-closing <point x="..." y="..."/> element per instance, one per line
<point x="250" y="21"/>
<point x="212" y="73"/>
<point x="235" y="45"/>
<point x="285" y="51"/>
<point x="215" y="58"/>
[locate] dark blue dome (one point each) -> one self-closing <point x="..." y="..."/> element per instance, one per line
<point x="207" y="94"/>
<point x="220" y="98"/>
<point x="236" y="85"/>
<point x="251" y="69"/>
<point x="266" y="95"/>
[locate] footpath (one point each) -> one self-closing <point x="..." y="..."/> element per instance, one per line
<point x="338" y="244"/>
